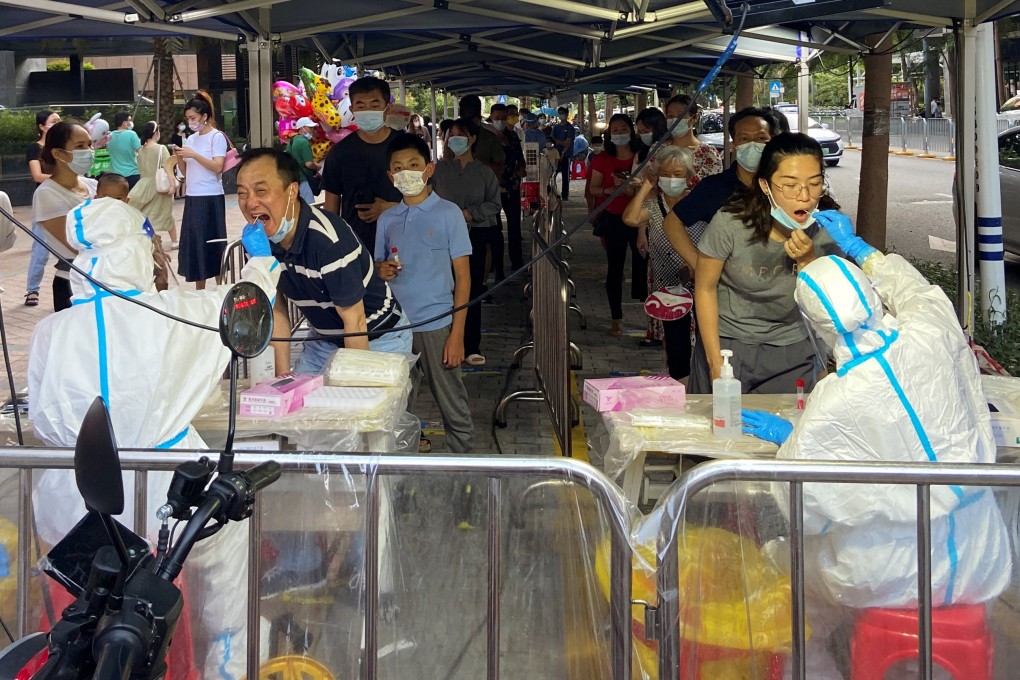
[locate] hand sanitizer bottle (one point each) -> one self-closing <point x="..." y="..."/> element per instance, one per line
<point x="726" y="401"/>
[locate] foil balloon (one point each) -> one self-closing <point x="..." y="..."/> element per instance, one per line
<point x="323" y="108"/>
<point x="319" y="151"/>
<point x="341" y="88"/>
<point x="99" y="131"/>
<point x="335" y="136"/>
<point x="287" y="129"/>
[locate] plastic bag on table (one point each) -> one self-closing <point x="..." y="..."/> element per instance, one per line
<point x="364" y="368"/>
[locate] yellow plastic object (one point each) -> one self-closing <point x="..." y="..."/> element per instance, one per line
<point x="731" y="597"/>
<point x="319" y="150"/>
<point x="294" y="667"/>
<point x="8" y="569"/>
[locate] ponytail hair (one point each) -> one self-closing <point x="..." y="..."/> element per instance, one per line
<point x="202" y="103"/>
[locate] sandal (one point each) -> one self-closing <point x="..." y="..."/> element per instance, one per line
<point x="32" y="298"/>
<point x="475" y="360"/>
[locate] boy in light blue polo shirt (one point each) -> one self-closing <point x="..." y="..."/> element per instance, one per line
<point x="421" y="250"/>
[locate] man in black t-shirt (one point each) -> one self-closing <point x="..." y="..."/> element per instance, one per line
<point x="354" y="175"/>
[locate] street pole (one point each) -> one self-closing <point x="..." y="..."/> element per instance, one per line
<point x="803" y="86"/>
<point x="987" y="194"/>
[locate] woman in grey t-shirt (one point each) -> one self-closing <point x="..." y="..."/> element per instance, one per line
<point x="747" y="272"/>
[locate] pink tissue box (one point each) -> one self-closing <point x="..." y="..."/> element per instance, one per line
<point x="639" y="391"/>
<point x="279" y="396"/>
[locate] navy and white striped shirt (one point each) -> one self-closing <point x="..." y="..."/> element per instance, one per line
<point x="327" y="267"/>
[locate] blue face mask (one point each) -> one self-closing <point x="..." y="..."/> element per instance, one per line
<point x="681" y="129"/>
<point x="779" y="215"/>
<point x="458" y="145"/>
<point x="307" y="135"/>
<point x="749" y="155"/>
<point x="370" y="121"/>
<point x="286" y="225"/>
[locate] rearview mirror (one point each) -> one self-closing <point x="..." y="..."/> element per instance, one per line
<point x="96" y="462"/>
<point x="246" y="320"/>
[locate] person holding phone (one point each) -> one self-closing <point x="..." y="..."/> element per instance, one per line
<point x="609" y="170"/>
<point x="354" y="173"/>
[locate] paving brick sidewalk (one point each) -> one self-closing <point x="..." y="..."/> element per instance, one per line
<point x="504" y="324"/>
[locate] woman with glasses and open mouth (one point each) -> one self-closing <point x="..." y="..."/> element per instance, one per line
<point x="747" y="271"/>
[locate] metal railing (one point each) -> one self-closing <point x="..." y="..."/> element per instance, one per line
<point x="796" y="474"/>
<point x="607" y="496"/>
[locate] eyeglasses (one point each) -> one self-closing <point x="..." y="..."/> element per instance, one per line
<point x="792" y="191"/>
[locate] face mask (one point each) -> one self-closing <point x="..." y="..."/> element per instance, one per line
<point x="286" y="225"/>
<point x="499" y="125"/>
<point x="681" y="129"/>
<point x="513" y="120"/>
<point x="131" y="125"/>
<point x="620" y="140"/>
<point x="409" y="182"/>
<point x="306" y="135"/>
<point x="779" y="215"/>
<point x="370" y="121"/>
<point x="749" y="155"/>
<point x="646" y="138"/>
<point x="673" y="186"/>
<point x="458" y="145"/>
<point x="541" y="121"/>
<point x="181" y="127"/>
<point x="81" y="161"/>
<point x="196" y="125"/>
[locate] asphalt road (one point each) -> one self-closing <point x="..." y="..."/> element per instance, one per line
<point x="920" y="206"/>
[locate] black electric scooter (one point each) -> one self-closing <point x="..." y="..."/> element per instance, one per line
<point x="127" y="607"/>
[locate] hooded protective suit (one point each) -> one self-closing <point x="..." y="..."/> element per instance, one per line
<point x="155" y="374"/>
<point x="906" y="390"/>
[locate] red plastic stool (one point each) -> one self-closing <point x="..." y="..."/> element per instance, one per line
<point x="961" y="642"/>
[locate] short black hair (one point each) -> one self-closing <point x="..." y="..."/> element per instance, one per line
<point x="497" y="107"/>
<point x="286" y="167"/>
<point x="563" y="109"/>
<point x="753" y="112"/>
<point x="111" y="179"/>
<point x="405" y="141"/>
<point x="369" y="84"/>
<point x="784" y="122"/>
<point x="445" y="125"/>
<point x="470" y="103"/>
<point x="120" y="118"/>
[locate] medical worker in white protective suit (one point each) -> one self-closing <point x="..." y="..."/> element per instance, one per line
<point x="155" y="374"/>
<point x="906" y="390"/>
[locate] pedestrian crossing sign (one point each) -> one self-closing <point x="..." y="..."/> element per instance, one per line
<point x="775" y="88"/>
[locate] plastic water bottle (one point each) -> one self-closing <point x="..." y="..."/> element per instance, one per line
<point x="726" y="401"/>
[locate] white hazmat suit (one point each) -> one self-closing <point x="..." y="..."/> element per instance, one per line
<point x="906" y="390"/>
<point x="155" y="374"/>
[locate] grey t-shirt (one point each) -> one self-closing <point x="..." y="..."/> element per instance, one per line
<point x="756" y="304"/>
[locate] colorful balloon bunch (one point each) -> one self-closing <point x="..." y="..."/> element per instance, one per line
<point x="322" y="97"/>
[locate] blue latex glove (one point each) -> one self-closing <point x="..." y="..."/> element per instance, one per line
<point x="255" y="241"/>
<point x="766" y="426"/>
<point x="841" y="229"/>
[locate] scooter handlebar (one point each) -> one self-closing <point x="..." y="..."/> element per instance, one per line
<point x="262" y="475"/>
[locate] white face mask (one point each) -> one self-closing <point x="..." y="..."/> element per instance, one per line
<point x="499" y="125"/>
<point x="182" y="127"/>
<point x="620" y="140"/>
<point x="81" y="161"/>
<point x="131" y="125"/>
<point x="779" y="215"/>
<point x="196" y="125"/>
<point x="409" y="182"/>
<point x="286" y="225"/>
<point x="681" y="129"/>
<point x="673" y="186"/>
<point x="370" y="121"/>
<point x="749" y="155"/>
<point x="646" y="138"/>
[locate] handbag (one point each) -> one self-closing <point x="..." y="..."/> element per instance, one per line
<point x="669" y="303"/>
<point x="233" y="157"/>
<point x="166" y="183"/>
<point x="314" y="183"/>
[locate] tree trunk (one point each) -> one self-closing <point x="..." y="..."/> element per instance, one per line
<point x="745" y="92"/>
<point x="609" y="112"/>
<point x="163" y="72"/>
<point x="874" y="184"/>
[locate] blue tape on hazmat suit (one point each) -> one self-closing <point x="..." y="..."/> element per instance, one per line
<point x="155" y="375"/>
<point x="906" y="390"/>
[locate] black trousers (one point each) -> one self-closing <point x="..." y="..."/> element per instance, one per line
<point x="564" y="169"/>
<point x="618" y="237"/>
<point x="678" y="346"/>
<point x="481" y="238"/>
<point x="511" y="201"/>
<point x="61" y="294"/>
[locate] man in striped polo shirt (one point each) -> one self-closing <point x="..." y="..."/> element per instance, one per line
<point x="326" y="270"/>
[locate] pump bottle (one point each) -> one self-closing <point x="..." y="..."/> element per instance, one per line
<point x="726" y="400"/>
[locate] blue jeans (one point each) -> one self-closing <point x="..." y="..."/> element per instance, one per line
<point x="305" y="192"/>
<point x="316" y="353"/>
<point x="37" y="265"/>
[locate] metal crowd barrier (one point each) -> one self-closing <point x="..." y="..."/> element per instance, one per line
<point x="234" y="259"/>
<point x="923" y="476"/>
<point x="550" y="339"/>
<point x="497" y="468"/>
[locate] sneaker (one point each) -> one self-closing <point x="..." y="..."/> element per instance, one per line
<point x="277" y="581"/>
<point x="174" y="245"/>
<point x="648" y="343"/>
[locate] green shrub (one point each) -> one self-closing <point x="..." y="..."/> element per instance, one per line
<point x="17" y="128"/>
<point x="1003" y="344"/>
<point x="65" y="65"/>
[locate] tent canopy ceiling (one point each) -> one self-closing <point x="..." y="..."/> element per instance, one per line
<point x="524" y="46"/>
